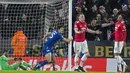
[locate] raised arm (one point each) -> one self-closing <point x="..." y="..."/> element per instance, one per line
<point x="47" y="34"/>
<point x="107" y="24"/>
<point x="7" y="59"/>
<point x="91" y="31"/>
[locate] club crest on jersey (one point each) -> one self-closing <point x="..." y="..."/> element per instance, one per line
<point x="77" y="22"/>
<point x="115" y="28"/>
<point x="80" y="25"/>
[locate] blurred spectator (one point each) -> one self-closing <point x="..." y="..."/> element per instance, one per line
<point x="94" y="8"/>
<point x="115" y="14"/>
<point x="98" y="25"/>
<point x="79" y="11"/>
<point x="129" y="6"/>
<point x="126" y="12"/>
<point x="90" y="14"/>
<point x="101" y="2"/>
<point x="114" y="4"/>
<point x="19" y="43"/>
<point x="113" y="18"/>
<point x="79" y="3"/>
<point x="128" y="1"/>
<point x="98" y="18"/>
<point x="103" y="13"/>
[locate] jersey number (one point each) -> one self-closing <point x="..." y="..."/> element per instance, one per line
<point x="53" y="34"/>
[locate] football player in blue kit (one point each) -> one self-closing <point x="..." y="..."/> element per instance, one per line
<point x="49" y="40"/>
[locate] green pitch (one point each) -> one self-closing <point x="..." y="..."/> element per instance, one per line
<point x="49" y="72"/>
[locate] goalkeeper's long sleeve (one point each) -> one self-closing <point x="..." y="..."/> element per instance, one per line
<point x="26" y="64"/>
<point x="7" y="59"/>
<point x="4" y="62"/>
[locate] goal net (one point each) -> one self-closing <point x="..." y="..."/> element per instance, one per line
<point x="34" y="18"/>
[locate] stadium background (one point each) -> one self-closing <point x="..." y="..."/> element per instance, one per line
<point x="33" y="21"/>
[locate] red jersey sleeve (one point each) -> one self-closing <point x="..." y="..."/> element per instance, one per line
<point x="76" y="24"/>
<point x="112" y="35"/>
<point x="85" y="26"/>
<point x="123" y="28"/>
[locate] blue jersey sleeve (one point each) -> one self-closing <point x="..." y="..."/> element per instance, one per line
<point x="60" y="36"/>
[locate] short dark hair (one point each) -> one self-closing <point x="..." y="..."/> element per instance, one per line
<point x="59" y="26"/>
<point x="121" y="15"/>
<point x="20" y="58"/>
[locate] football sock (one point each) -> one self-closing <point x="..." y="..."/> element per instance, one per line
<point x="119" y="67"/>
<point x="122" y="61"/>
<point x="84" y="57"/>
<point x="41" y="63"/>
<point x="118" y="63"/>
<point x="76" y="61"/>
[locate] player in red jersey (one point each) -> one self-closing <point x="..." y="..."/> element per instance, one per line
<point x="80" y="43"/>
<point x="120" y="42"/>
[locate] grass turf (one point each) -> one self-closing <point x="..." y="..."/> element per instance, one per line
<point x="49" y="72"/>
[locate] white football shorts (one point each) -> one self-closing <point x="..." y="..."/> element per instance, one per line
<point x="80" y="47"/>
<point x="118" y="46"/>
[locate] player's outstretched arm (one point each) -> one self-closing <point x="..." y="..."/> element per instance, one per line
<point x="94" y="32"/>
<point x="11" y="59"/>
<point x="67" y="39"/>
<point x="106" y="24"/>
<point x="112" y="35"/>
<point x="8" y="59"/>
<point x="47" y="34"/>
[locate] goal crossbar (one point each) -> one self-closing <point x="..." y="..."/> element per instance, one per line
<point x="28" y="1"/>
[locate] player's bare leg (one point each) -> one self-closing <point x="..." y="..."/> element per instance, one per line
<point x="48" y="57"/>
<point x="53" y="62"/>
<point x="34" y="66"/>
